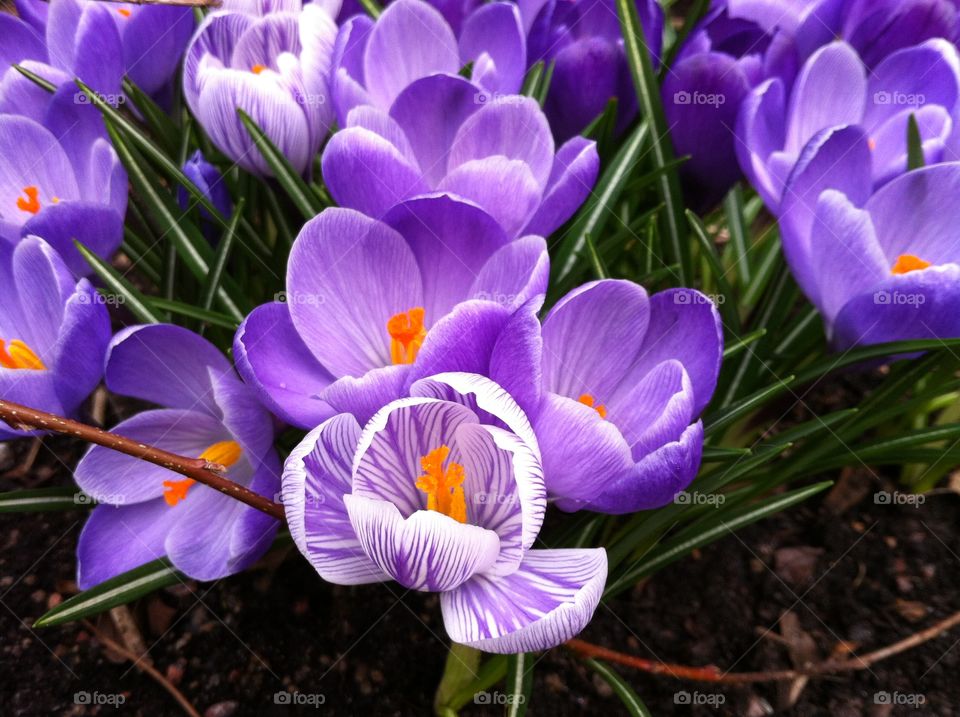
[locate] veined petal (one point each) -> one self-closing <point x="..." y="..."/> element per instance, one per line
<point x="503" y="187"/>
<point x="575" y="169"/>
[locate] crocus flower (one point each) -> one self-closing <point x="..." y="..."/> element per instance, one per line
<point x="722" y="59"/>
<point x="370" y="303"/>
<point x="374" y="62"/>
<point x="782" y="130"/>
<point x="890" y="270"/>
<point x="61" y="180"/>
<point x="443" y="492"/>
<point x="208" y="180"/>
<point x="96" y="42"/>
<point x="498" y="154"/>
<point x="625" y="377"/>
<point x="54" y="331"/>
<point x="583" y="40"/>
<point x="148" y="512"/>
<point x="274" y="67"/>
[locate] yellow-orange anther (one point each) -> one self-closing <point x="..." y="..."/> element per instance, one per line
<point x="906" y="263"/>
<point x="588" y="400"/>
<point x="124" y="11"/>
<point x="224" y="453"/>
<point x="406" y="335"/>
<point x="257" y="69"/>
<point x="16" y="354"/>
<point x="30" y="202"/>
<point x="444" y="487"/>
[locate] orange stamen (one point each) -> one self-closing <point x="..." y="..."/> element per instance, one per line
<point x="32" y="202"/>
<point x="223" y="453"/>
<point x="124" y="11"/>
<point x="406" y="335"/>
<point x="906" y="263"/>
<point x="257" y="69"/>
<point x="444" y="488"/>
<point x="588" y="400"/>
<point x="18" y="355"/>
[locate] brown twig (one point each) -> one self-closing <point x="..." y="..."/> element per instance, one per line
<point x="210" y="474"/>
<point x="715" y="675"/>
<point x="144" y="666"/>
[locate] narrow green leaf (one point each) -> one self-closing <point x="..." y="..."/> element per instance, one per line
<point x="158" y="120"/>
<point x="35" y="78"/>
<point x="372" y="7"/>
<point x="598" y="267"/>
<point x="648" y="93"/>
<point x="742" y="343"/>
<point x="491" y="672"/>
<point x="301" y="195"/>
<point x="193" y="312"/>
<point x="460" y="670"/>
<point x="223" y="253"/>
<point x="867" y="353"/>
<point x="915" y="158"/>
<point x="43" y="499"/>
<point x="120" y="590"/>
<point x="519" y="683"/>
<point x="116" y="284"/>
<point x="717" y="454"/>
<point x="725" y="305"/>
<point x="741" y="408"/>
<point x="532" y="79"/>
<point x="737" y="225"/>
<point x="620" y="688"/>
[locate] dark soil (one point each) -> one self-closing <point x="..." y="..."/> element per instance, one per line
<point x="856" y="577"/>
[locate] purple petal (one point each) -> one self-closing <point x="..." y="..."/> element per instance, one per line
<point x="217" y="37"/>
<point x="575" y="170"/>
<point x="656" y="410"/>
<point x="889" y="140"/>
<point x="514" y="274"/>
<point x="494" y="33"/>
<point x="380" y="123"/>
<point x="272" y="358"/>
<point x="760" y="135"/>
<point x="363" y="396"/>
<point x="154" y="39"/>
<point x="96" y="226"/>
<point x="346" y="277"/>
<point x="394" y="57"/>
<point x="84" y="336"/>
<point x="503" y="187"/>
<point x="548" y="600"/>
<point x="346" y="75"/>
<point x="315" y="478"/>
<point x="427" y="551"/>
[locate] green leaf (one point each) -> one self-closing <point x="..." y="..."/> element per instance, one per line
<point x="120" y="590"/>
<point x="372" y="7"/>
<point x="43" y="499"/>
<point x="598" y="267"/>
<point x="621" y="689"/>
<point x="194" y="312"/>
<point x="159" y="121"/>
<point x="298" y="191"/>
<point x="35" y="78"/>
<point x="519" y="683"/>
<point x="725" y="305"/>
<point x="737" y="225"/>
<point x="223" y="253"/>
<point x="459" y="671"/>
<point x="115" y="283"/>
<point x="915" y="158"/>
<point x="490" y="673"/>
<point x="742" y="343"/>
<point x="648" y="93"/>
<point x="741" y="408"/>
<point x="596" y="212"/>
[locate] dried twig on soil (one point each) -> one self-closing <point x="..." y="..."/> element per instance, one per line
<point x="714" y="674"/>
<point x="145" y="667"/>
<point x="210" y="474"/>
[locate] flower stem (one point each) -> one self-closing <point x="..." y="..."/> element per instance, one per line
<point x="210" y="474"/>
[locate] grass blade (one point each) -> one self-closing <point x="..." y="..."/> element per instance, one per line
<point x="42" y="499"/>
<point x="631" y="701"/>
<point x="132" y="299"/>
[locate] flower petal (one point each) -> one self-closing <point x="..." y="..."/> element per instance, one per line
<point x="494" y="32"/>
<point x="363" y="396"/>
<point x="575" y="169"/>
<point x="503" y="187"/>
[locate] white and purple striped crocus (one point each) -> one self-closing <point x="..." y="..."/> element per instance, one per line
<point x="274" y="66"/>
<point x="54" y="331"/>
<point x="786" y="132"/>
<point x="370" y="303"/>
<point x="62" y="180"/>
<point x="625" y="377"/>
<point x="887" y="268"/>
<point x="147" y="512"/>
<point x="583" y="41"/>
<point x="412" y="125"/>
<point x="443" y="492"/>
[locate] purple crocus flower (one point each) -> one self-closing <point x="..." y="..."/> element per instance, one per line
<point x="61" y="180"/>
<point x="54" y="331"/>
<point x="274" y="67"/>
<point x="623" y="387"/>
<point x="370" y="304"/>
<point x="784" y="131"/>
<point x="437" y="137"/>
<point x="890" y="270"/>
<point x="443" y="492"/>
<point x="374" y="62"/>
<point x="208" y="180"/>
<point x="721" y="61"/>
<point x="148" y="512"/>
<point x="583" y="40"/>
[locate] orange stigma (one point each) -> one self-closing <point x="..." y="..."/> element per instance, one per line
<point x="906" y="263"/>
<point x="224" y="453"/>
<point x="406" y="335"/>
<point x="872" y="143"/>
<point x="32" y="202"/>
<point x="124" y="11"/>
<point x="588" y="400"/>
<point x="257" y="69"/>
<point x="444" y="488"/>
<point x="17" y="354"/>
